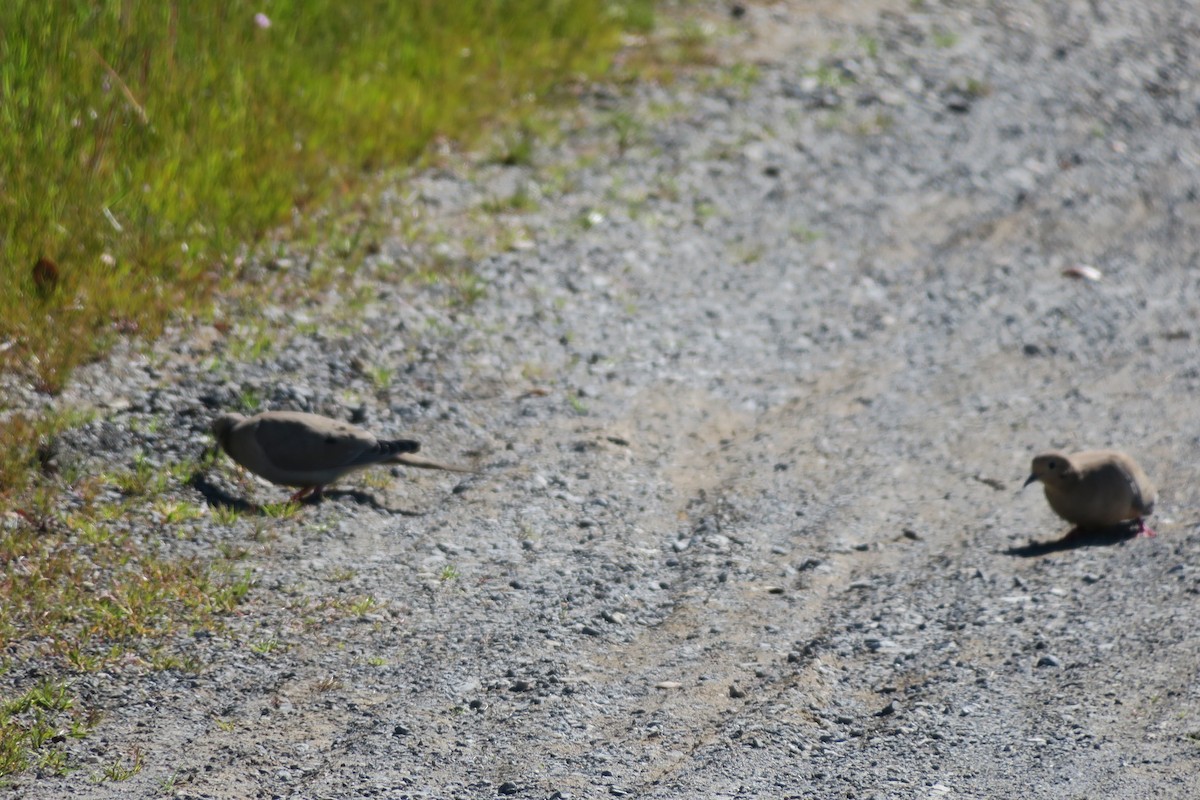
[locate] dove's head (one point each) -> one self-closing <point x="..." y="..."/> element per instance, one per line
<point x="1053" y="469"/>
<point x="222" y="428"/>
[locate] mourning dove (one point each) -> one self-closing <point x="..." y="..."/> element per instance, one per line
<point x="1095" y="488"/>
<point x="293" y="448"/>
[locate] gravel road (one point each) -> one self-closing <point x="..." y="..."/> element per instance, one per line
<point x="752" y="367"/>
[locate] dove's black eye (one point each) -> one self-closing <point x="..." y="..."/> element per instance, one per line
<point x="1051" y="465"/>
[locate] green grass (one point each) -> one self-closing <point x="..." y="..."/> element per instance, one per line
<point x="118" y="770"/>
<point x="944" y="38"/>
<point x="31" y="721"/>
<point x="23" y="440"/>
<point x="79" y="594"/>
<point x="85" y="594"/>
<point x="146" y="143"/>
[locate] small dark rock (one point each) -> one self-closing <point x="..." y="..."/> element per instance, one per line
<point x="828" y="98"/>
<point x="957" y="102"/>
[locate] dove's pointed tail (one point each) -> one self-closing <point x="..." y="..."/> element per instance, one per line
<point x="406" y="460"/>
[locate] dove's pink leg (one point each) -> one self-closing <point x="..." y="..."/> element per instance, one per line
<point x="307" y="491"/>
<point x="1143" y="531"/>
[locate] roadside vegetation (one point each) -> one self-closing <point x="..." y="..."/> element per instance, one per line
<point x="147" y="144"/>
<point x="149" y="150"/>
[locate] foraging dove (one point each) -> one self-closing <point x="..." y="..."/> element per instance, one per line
<point x="293" y="448"/>
<point x="1095" y="488"/>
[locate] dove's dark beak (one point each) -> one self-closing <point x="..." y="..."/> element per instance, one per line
<point x="1029" y="480"/>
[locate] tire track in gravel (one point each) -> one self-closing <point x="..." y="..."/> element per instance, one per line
<point x="709" y="646"/>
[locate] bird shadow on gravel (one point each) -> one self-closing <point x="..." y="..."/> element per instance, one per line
<point x="363" y="499"/>
<point x="216" y="496"/>
<point x="1074" y="539"/>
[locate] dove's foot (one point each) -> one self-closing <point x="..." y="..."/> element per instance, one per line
<point x="1143" y="532"/>
<point x="305" y="493"/>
